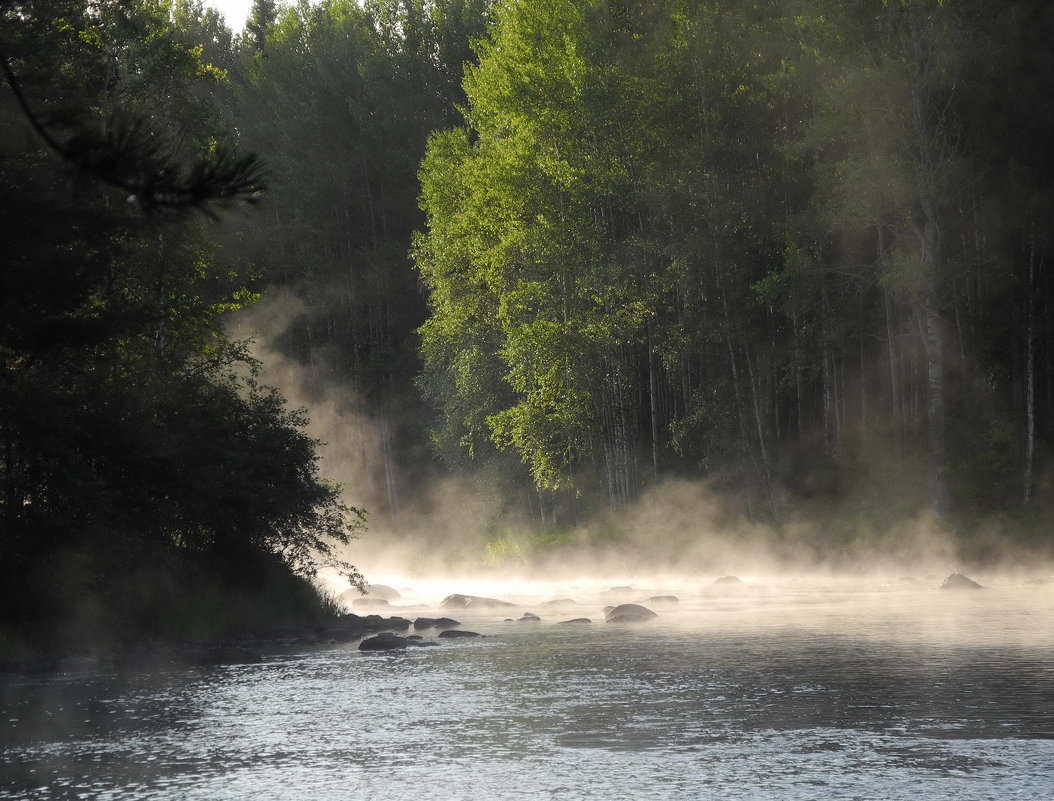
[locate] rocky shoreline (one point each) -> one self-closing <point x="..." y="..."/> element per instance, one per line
<point x="240" y="649"/>
<point x="373" y="632"/>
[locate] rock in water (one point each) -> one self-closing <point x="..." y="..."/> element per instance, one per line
<point x="383" y="592"/>
<point x="458" y="601"/>
<point x="957" y="581"/>
<point x="629" y="613"/>
<point x="728" y="580"/>
<point x="383" y="642"/>
<point x="453" y="634"/>
<point x="435" y="623"/>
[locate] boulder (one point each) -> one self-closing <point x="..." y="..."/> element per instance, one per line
<point x="458" y="601"/>
<point x="560" y="602"/>
<point x="957" y="581"/>
<point x="576" y="620"/>
<point x="728" y="580"/>
<point x="435" y="623"/>
<point x="385" y="641"/>
<point x="382" y="592"/>
<point x="528" y="617"/>
<point x="455" y="634"/>
<point x="378" y="623"/>
<point x="629" y="613"/>
<point x="668" y="600"/>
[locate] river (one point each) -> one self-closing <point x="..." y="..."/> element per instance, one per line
<point x="789" y="690"/>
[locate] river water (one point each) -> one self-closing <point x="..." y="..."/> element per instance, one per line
<point x="768" y="690"/>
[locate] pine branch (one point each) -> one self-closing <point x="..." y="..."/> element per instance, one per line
<point x="129" y="154"/>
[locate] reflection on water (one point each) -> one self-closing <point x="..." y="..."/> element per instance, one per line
<point x="744" y="694"/>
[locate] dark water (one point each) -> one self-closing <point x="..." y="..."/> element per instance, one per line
<point x="793" y="693"/>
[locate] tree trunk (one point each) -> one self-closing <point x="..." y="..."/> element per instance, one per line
<point x="935" y="414"/>
<point x="755" y="393"/>
<point x="1030" y="371"/>
<point x="654" y="402"/>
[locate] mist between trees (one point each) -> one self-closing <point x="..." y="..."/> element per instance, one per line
<point x="787" y="259"/>
<point x="796" y="252"/>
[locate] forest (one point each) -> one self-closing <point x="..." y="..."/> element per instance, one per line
<point x="564" y="253"/>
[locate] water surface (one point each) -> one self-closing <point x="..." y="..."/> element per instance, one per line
<point x="791" y="691"/>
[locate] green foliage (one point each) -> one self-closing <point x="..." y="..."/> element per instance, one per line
<point x="139" y="456"/>
<point x="708" y="236"/>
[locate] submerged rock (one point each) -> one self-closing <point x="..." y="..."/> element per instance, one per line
<point x="664" y="599"/>
<point x="454" y="634"/>
<point x="458" y="601"/>
<point x="560" y="602"/>
<point x="957" y="581"/>
<point x="728" y="580"/>
<point x="629" y="613"/>
<point x="576" y="620"/>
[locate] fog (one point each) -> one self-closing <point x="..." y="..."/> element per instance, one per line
<point x="457" y="534"/>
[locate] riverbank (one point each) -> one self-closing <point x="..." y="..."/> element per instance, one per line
<point x="180" y="610"/>
<point x="245" y="648"/>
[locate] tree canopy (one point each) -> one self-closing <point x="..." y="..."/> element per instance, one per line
<point x="570" y="249"/>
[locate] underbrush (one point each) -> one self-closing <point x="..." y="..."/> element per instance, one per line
<point x="86" y="603"/>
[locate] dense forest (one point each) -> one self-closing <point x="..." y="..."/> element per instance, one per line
<point x="564" y="252"/>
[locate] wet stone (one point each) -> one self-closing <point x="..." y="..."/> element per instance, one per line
<point x="384" y="642"/>
<point x="957" y="581"/>
<point x="435" y="623"/>
<point x="629" y="613"/>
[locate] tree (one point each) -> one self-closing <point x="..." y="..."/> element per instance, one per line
<point x="132" y="435"/>
<point x="343" y="106"/>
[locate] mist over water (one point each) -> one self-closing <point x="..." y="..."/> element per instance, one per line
<point x="835" y="668"/>
<point x="778" y="687"/>
<point x="425" y="521"/>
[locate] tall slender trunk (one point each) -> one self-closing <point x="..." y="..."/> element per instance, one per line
<point x="830" y="398"/>
<point x="1030" y="370"/>
<point x="744" y="438"/>
<point x="798" y="381"/>
<point x="653" y="392"/>
<point x="389" y="468"/>
<point x="755" y="393"/>
<point x="935" y="414"/>
<point x="161" y="333"/>
<point x="863" y="377"/>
